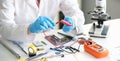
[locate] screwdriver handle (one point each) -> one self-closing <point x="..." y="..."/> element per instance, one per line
<point x="66" y="23"/>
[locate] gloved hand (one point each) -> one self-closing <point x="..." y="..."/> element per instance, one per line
<point x="68" y="28"/>
<point x="41" y="24"/>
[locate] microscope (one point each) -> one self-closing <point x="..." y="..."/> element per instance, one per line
<point x="99" y="29"/>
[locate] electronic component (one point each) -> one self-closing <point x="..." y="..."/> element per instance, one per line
<point x="57" y="41"/>
<point x="53" y="39"/>
<point x="43" y="42"/>
<point x="39" y="43"/>
<point x="93" y="48"/>
<point x="96" y="50"/>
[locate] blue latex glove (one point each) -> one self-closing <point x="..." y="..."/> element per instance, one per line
<point x="42" y="24"/>
<point x="68" y="28"/>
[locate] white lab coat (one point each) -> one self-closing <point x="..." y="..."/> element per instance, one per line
<point x="16" y="15"/>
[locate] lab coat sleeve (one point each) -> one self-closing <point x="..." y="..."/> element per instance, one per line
<point x="8" y="28"/>
<point x="71" y="8"/>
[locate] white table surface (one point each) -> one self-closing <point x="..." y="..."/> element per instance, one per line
<point x="112" y="43"/>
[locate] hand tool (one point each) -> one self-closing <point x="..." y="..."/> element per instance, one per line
<point x="64" y="22"/>
<point x="20" y="47"/>
<point x="11" y="50"/>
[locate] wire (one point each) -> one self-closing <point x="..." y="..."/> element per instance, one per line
<point x="57" y="22"/>
<point x="74" y="43"/>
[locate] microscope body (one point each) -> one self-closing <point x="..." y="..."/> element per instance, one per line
<point x="99" y="15"/>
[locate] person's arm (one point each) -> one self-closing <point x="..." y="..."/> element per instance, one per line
<point x="71" y="8"/>
<point x="8" y="27"/>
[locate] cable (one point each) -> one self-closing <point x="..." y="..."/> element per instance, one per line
<point x="72" y="50"/>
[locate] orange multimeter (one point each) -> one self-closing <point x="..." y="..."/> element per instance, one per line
<point x="95" y="49"/>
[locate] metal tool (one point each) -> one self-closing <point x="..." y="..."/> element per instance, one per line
<point x="32" y="58"/>
<point x="11" y="50"/>
<point x="65" y="35"/>
<point x="52" y="56"/>
<point x="19" y="47"/>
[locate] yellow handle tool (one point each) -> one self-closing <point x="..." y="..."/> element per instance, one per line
<point x="22" y="59"/>
<point x="43" y="59"/>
